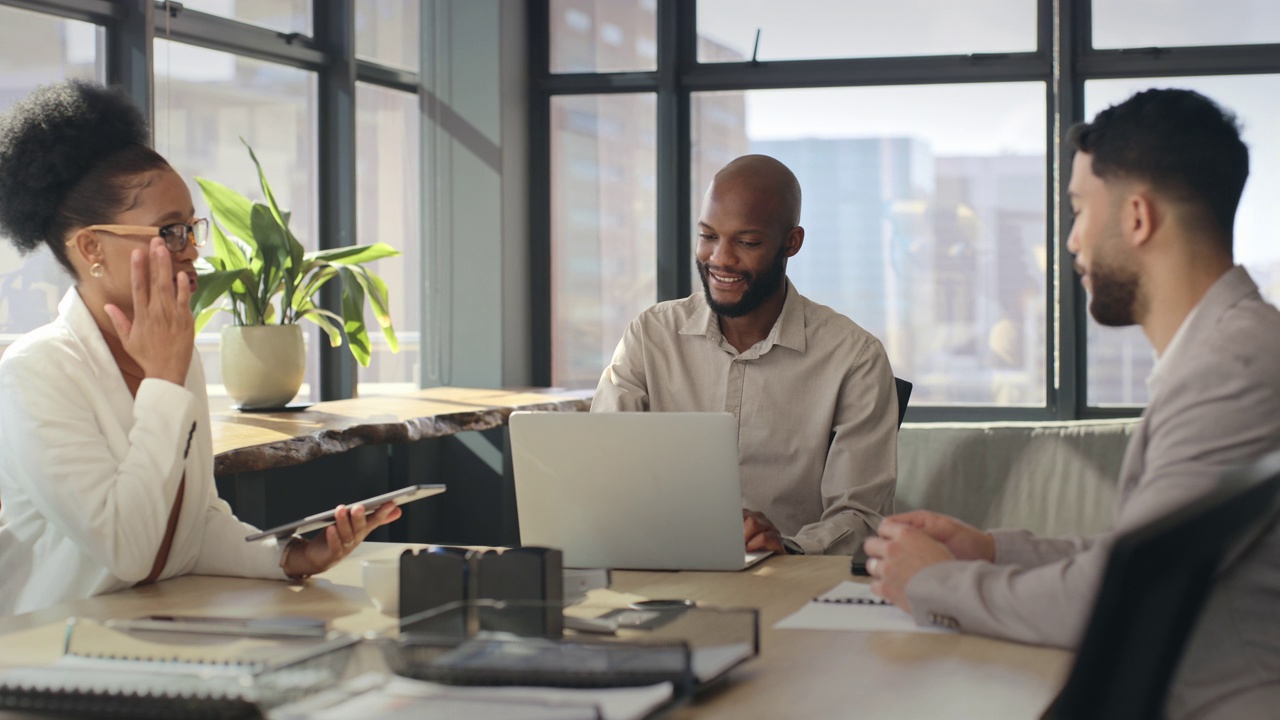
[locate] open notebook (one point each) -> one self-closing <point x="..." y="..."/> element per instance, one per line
<point x="108" y="672"/>
<point x="852" y="606"/>
<point x="375" y="695"/>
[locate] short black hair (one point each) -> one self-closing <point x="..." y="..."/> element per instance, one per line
<point x="69" y="154"/>
<point x="1181" y="142"/>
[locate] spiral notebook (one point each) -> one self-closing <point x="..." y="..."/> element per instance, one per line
<point x="852" y="606"/>
<point x="851" y="593"/>
<point x="105" y="673"/>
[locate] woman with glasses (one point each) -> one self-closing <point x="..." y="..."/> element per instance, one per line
<point x="106" y="459"/>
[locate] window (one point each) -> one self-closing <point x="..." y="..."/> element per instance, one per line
<point x="37" y="49"/>
<point x="290" y="16"/>
<point x="213" y="84"/>
<point x="388" y="209"/>
<point x="808" y="29"/>
<point x="206" y="101"/>
<point x="602" y="36"/>
<point x="1120" y="360"/>
<point x="924" y="216"/>
<point x="603" y="208"/>
<point x="1166" y="23"/>
<point x="934" y="186"/>
<point x="387" y="31"/>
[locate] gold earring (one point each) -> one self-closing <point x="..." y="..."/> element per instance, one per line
<point x="97" y="270"/>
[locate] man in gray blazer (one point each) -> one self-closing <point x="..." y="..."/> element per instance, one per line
<point x="1154" y="187"/>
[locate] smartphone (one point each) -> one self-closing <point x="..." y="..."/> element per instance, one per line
<point x="325" y="519"/>
<point x="284" y="626"/>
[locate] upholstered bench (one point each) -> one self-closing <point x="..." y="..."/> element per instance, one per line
<point x="1052" y="478"/>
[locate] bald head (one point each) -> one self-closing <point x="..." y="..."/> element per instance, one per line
<point x="761" y="181"/>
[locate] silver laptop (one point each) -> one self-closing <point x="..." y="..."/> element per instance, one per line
<point x="639" y="491"/>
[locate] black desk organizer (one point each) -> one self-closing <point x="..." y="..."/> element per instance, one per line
<point x="532" y="576"/>
<point x="489" y="618"/>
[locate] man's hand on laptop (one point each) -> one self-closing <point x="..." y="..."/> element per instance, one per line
<point x="760" y="534"/>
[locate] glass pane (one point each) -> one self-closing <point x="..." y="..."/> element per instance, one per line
<point x="36" y="50"/>
<point x="603" y="35"/>
<point x="282" y="15"/>
<point x="1168" y="23"/>
<point x="603" y="227"/>
<point x="387" y="31"/>
<point x="924" y="217"/>
<point x="206" y="101"/>
<point x="812" y="29"/>
<point x="1120" y="360"/>
<point x="388" y="203"/>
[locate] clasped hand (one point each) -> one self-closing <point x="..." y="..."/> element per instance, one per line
<point x="908" y="543"/>
<point x="160" y="335"/>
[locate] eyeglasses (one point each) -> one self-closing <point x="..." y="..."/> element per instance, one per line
<point x="176" y="236"/>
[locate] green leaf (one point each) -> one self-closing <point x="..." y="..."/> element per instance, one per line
<point x="206" y="315"/>
<point x="229" y="208"/>
<point x="322" y="318"/>
<point x="353" y="317"/>
<point x="227" y="250"/>
<point x="210" y="286"/>
<point x="266" y="189"/>
<point x="294" y="247"/>
<point x="312" y="286"/>
<point x="273" y="250"/>
<point x="355" y="255"/>
<point x="376" y="292"/>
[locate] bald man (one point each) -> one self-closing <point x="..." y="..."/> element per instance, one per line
<point x="812" y="392"/>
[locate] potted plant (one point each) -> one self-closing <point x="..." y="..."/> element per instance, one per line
<point x="261" y="275"/>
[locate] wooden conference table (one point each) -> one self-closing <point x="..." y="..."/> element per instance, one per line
<point x="800" y="674"/>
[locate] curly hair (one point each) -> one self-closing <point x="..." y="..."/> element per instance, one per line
<point x="70" y="156"/>
<point x="1181" y="142"/>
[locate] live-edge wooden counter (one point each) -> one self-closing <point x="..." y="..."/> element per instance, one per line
<point x="250" y="441"/>
<point x="274" y="467"/>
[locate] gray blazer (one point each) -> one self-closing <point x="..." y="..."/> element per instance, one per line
<point x="1217" y="407"/>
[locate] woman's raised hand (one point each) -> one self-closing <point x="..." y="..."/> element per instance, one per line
<point x="161" y="334"/>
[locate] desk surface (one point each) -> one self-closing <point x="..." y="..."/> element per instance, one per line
<point x="805" y="674"/>
<point x="245" y="442"/>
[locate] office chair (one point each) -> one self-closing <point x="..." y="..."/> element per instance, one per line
<point x="904" y="394"/>
<point x="1157" y="581"/>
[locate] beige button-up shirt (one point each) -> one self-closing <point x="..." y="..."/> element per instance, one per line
<point x="816" y="375"/>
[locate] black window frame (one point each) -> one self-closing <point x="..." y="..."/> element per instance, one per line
<point x="1064" y="60"/>
<point x="131" y="27"/>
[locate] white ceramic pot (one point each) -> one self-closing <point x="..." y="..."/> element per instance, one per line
<point x="262" y="365"/>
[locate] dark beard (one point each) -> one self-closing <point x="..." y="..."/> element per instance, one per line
<point x="759" y="288"/>
<point x="1115" y="295"/>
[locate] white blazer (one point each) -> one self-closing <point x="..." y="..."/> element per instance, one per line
<point x="88" y="473"/>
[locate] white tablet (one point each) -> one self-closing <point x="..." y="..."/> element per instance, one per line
<point x="371" y="505"/>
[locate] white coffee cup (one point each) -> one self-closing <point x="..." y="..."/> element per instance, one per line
<point x="381" y="579"/>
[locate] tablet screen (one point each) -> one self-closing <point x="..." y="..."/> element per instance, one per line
<point x="325" y="519"/>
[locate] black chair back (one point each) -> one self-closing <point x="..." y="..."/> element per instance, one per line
<point x="1157" y="581"/>
<point x="904" y="394"/>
